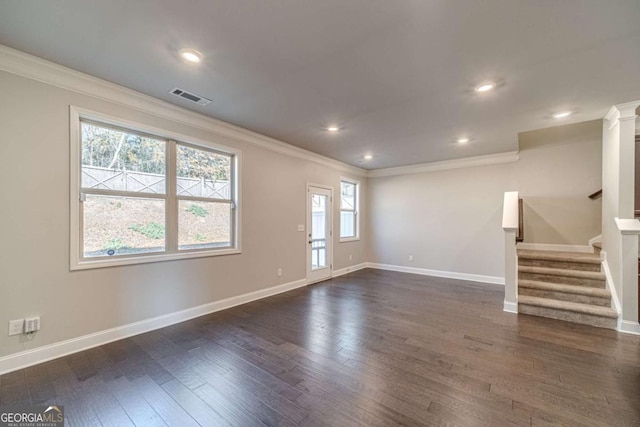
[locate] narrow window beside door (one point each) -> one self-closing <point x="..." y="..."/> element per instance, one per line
<point x="349" y="221"/>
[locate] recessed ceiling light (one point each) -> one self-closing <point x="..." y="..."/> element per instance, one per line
<point x="191" y="55"/>
<point x="368" y="157"/>
<point x="333" y="128"/>
<point x="485" y="87"/>
<point x="562" y="114"/>
<point x="463" y="140"/>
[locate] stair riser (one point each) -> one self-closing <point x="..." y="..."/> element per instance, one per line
<point x="569" y="316"/>
<point x="562" y="296"/>
<point x="568" y="280"/>
<point x="559" y="264"/>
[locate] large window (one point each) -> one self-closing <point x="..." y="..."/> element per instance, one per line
<point x="147" y="195"/>
<point x="349" y="228"/>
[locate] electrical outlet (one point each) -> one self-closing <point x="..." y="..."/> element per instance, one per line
<point x="350" y="257"/>
<point x="410" y="257"/>
<point x="279" y="272"/>
<point x="16" y="327"/>
<point x="31" y="324"/>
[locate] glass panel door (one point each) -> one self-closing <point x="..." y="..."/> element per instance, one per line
<point x="319" y="234"/>
<point x="319" y="216"/>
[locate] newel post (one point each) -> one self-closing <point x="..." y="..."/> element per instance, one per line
<point x="629" y="231"/>
<point x="510" y="227"/>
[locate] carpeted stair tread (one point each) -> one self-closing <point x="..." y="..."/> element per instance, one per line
<point x="567" y="289"/>
<point x="593" y="275"/>
<point x="576" y="257"/>
<point x="575" y="307"/>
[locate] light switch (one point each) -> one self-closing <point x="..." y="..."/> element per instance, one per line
<point x="300" y="227"/>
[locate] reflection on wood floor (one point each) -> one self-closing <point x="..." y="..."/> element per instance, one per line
<point x="372" y="348"/>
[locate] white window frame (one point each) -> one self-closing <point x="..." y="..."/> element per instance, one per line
<point x="356" y="210"/>
<point x="78" y="262"/>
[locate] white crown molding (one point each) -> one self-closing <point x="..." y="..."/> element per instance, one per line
<point x="628" y="109"/>
<point x="22" y="64"/>
<point x="623" y="111"/>
<point x="45" y="353"/>
<point x="439" y="273"/>
<point x="612" y="116"/>
<point x="466" y="162"/>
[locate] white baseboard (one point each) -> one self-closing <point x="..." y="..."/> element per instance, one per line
<point x="439" y="273"/>
<point x="347" y="270"/>
<point x="510" y="307"/>
<point x="615" y="301"/>
<point x="624" y="326"/>
<point x="629" y="327"/>
<point x="34" y="356"/>
<point x="42" y="354"/>
<point x="556" y="248"/>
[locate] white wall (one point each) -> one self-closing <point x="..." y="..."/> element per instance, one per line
<point x="34" y="257"/>
<point x="559" y="168"/>
<point x="450" y="220"/>
<point x="447" y="220"/>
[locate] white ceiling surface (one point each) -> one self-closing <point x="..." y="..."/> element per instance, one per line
<point x="396" y="76"/>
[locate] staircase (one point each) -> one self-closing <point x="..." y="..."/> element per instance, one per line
<point x="566" y="286"/>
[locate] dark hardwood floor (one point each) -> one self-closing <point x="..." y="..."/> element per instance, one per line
<point x="373" y="348"/>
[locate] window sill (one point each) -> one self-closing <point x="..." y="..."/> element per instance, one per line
<point x="145" y="259"/>
<point x="348" y="239"/>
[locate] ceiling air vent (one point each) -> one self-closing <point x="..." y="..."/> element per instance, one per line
<point x="200" y="100"/>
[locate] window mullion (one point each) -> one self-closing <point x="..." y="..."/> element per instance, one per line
<point x="172" y="200"/>
<point x="205" y="199"/>
<point x="350" y="189"/>
<point x="234" y="179"/>
<point x="355" y="223"/>
<point x="117" y="193"/>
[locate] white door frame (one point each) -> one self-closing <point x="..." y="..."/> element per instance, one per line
<point x="310" y="278"/>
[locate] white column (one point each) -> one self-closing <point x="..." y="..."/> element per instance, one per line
<point x="619" y="227"/>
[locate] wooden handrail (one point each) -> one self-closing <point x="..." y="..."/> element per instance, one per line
<point x="520" y="233"/>
<point x="596" y="195"/>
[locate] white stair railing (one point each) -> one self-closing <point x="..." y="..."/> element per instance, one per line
<point x="510" y="223"/>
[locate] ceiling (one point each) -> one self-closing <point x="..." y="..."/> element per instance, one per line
<point x="396" y="76"/>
